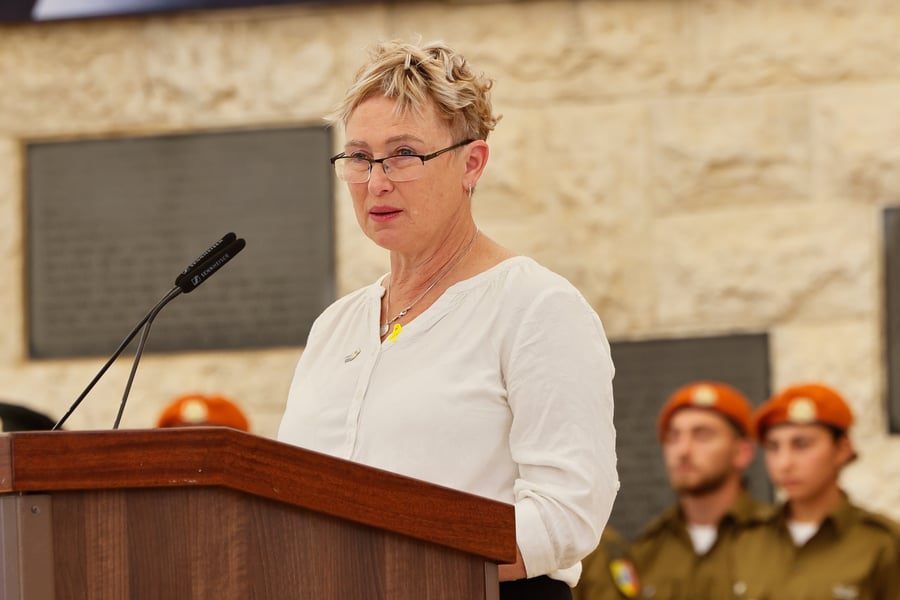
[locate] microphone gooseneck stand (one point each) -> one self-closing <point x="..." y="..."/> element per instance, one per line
<point x="204" y="267"/>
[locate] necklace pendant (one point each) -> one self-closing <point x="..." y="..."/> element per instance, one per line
<point x="384" y="329"/>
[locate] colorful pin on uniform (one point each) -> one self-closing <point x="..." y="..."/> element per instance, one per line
<point x="625" y="577"/>
<point x="397" y="329"/>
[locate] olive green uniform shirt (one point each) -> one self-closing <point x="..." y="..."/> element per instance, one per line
<point x="853" y="556"/>
<point x="597" y="581"/>
<point x="670" y="569"/>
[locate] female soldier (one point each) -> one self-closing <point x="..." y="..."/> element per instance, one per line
<point x="819" y="545"/>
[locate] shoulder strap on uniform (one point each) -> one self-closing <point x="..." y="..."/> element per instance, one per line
<point x="659" y="521"/>
<point x="881" y="521"/>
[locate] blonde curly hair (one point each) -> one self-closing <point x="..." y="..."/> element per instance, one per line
<point x="415" y="74"/>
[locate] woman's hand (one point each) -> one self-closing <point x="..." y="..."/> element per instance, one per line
<point x="511" y="572"/>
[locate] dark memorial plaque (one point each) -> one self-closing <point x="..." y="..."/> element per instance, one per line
<point x="112" y="222"/>
<point x="647" y="372"/>
<point x="892" y="313"/>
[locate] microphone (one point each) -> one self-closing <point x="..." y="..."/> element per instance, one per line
<point x="189" y="270"/>
<point x="212" y="260"/>
<point x="201" y="269"/>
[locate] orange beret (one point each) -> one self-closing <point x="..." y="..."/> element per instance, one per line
<point x="801" y="404"/>
<point x="196" y="409"/>
<point x="710" y="395"/>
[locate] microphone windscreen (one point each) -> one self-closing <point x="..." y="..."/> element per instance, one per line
<point x="215" y="261"/>
<point x="189" y="270"/>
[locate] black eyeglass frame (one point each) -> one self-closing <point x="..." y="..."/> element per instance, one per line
<point x="423" y="157"/>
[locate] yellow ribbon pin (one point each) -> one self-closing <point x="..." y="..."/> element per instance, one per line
<point x="397" y="329"/>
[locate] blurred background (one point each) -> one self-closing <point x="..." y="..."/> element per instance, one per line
<point x="720" y="178"/>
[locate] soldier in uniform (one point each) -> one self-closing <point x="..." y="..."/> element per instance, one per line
<point x="819" y="544"/>
<point x="195" y="410"/>
<point x="608" y="573"/>
<point x="16" y="417"/>
<point x="687" y="552"/>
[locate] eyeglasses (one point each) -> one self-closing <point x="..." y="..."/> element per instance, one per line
<point x="357" y="168"/>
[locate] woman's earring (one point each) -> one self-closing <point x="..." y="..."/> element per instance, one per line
<point x="471" y="187"/>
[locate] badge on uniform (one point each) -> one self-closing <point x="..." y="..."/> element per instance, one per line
<point x="845" y="592"/>
<point x="625" y="577"/>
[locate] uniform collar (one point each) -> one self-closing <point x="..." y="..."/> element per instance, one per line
<point x="839" y="520"/>
<point x="745" y="510"/>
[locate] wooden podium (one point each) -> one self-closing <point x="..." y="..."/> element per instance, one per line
<point x="217" y="514"/>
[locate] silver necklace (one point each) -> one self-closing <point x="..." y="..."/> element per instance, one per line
<point x="387" y="309"/>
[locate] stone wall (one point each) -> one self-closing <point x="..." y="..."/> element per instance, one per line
<point x="696" y="168"/>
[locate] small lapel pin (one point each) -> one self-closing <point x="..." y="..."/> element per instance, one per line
<point x="351" y="356"/>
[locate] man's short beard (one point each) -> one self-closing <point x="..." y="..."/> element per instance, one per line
<point x="704" y="487"/>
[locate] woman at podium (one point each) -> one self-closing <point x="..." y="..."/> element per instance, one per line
<point x="466" y="365"/>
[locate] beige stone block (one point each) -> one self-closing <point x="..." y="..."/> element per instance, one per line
<point x="236" y="70"/>
<point x="11" y="252"/>
<point x="870" y="481"/>
<point x="10" y="203"/>
<point x="353" y="28"/>
<point x="766" y="43"/>
<point x="552" y="51"/>
<point x="58" y="77"/>
<point x="723" y="151"/>
<point x="580" y="207"/>
<point x="630" y="48"/>
<point x="749" y="268"/>
<point x="506" y="191"/>
<point x="497" y="38"/>
<point x="170" y="72"/>
<point x="856" y="135"/>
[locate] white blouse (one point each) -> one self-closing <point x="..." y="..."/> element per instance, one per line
<point x="501" y="388"/>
